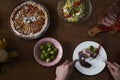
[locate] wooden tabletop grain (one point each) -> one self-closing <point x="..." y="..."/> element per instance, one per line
<point x="69" y="35"/>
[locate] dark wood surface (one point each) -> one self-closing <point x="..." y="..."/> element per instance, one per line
<point x="69" y="35"/>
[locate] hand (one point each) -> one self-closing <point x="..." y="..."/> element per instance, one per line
<point x="114" y="69"/>
<point x="64" y="71"/>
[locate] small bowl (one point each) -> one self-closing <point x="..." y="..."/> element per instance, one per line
<point x="87" y="11"/>
<point x="36" y="51"/>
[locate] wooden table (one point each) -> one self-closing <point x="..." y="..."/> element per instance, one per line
<point x="69" y="35"/>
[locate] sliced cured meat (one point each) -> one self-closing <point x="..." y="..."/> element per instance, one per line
<point x="112" y="17"/>
<point x="108" y="21"/>
<point x="104" y="22"/>
<point x="115" y="9"/>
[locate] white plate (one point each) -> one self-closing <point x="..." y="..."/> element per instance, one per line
<point x="98" y="64"/>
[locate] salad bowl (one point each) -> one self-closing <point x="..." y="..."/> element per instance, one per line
<point x="74" y="11"/>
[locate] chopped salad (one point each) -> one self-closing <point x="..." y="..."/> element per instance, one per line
<point x="73" y="10"/>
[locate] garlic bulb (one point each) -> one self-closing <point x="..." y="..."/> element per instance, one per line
<point x="3" y="55"/>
